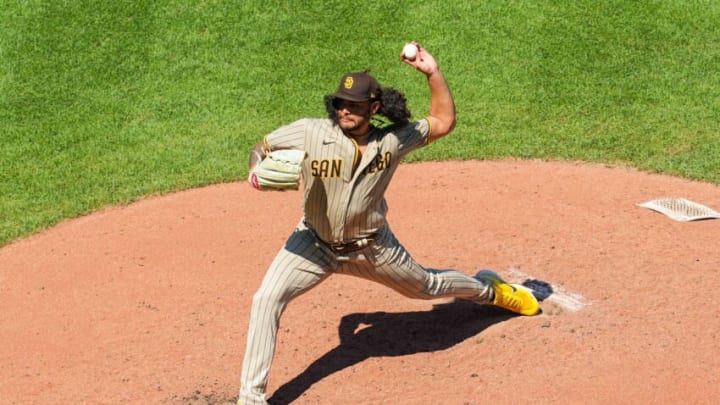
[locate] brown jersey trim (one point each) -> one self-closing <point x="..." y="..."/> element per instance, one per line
<point x="266" y="145"/>
<point x="429" y="135"/>
<point x="356" y="160"/>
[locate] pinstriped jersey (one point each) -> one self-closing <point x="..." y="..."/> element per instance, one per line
<point x="344" y="191"/>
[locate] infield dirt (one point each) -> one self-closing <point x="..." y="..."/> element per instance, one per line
<point x="148" y="303"/>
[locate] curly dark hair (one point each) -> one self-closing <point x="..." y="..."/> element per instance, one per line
<point x="393" y="106"/>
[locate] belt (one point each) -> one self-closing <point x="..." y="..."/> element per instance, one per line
<point x="347" y="246"/>
<point x="351" y="246"/>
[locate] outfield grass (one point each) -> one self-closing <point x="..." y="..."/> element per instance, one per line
<point x="104" y="102"/>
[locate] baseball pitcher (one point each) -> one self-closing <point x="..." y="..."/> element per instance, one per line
<point x="345" y="163"/>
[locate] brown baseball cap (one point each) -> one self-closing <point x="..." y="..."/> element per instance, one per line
<point x="357" y="86"/>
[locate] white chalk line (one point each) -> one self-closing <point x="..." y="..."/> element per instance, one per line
<point x="569" y="300"/>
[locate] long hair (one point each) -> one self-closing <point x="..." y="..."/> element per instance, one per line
<point x="393" y="106"/>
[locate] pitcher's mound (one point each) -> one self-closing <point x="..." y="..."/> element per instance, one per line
<point x="149" y="303"/>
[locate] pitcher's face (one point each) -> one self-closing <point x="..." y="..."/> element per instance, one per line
<point x="354" y="116"/>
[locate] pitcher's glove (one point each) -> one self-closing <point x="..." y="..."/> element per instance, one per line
<point x="280" y="170"/>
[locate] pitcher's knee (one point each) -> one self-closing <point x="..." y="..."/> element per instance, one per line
<point x="263" y="298"/>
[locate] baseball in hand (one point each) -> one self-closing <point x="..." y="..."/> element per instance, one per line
<point x="410" y="51"/>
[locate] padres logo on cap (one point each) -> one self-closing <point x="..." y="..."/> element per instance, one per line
<point x="348" y="82"/>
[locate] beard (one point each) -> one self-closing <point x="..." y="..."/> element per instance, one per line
<point x="352" y="126"/>
<point x="349" y="126"/>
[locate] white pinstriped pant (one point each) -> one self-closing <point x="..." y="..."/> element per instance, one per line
<point x="305" y="261"/>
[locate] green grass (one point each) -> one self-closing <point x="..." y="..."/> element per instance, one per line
<point x="105" y="102"/>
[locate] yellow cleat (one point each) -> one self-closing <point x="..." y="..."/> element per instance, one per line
<point x="513" y="297"/>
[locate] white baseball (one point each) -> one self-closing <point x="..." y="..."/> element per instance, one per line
<point x="410" y="51"/>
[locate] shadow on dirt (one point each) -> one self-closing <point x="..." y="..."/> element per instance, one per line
<point x="365" y="335"/>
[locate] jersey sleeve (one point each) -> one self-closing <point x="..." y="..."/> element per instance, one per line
<point x="413" y="136"/>
<point x="291" y="136"/>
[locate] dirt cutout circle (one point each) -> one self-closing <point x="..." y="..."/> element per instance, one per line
<point x="149" y="303"/>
